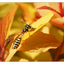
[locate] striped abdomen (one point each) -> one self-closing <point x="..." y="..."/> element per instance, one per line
<point x="17" y="43"/>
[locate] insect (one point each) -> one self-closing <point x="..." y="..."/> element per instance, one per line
<point x="18" y="40"/>
<point x="9" y="39"/>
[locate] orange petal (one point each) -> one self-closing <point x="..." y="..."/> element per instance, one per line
<point x="5" y="25"/>
<point x="58" y="22"/>
<point x="39" y="42"/>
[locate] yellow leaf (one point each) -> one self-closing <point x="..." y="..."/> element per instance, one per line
<point x="39" y="42"/>
<point x="42" y="20"/>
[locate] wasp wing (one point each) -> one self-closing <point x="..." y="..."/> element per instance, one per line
<point x="10" y="38"/>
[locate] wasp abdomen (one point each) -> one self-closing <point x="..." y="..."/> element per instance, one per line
<point x="27" y="27"/>
<point x="17" y="43"/>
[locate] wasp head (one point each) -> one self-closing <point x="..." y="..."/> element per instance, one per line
<point x="27" y="26"/>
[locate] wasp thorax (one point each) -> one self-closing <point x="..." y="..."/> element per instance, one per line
<point x="27" y="26"/>
<point x="23" y="30"/>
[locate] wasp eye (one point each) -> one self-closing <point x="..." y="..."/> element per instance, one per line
<point x="28" y="26"/>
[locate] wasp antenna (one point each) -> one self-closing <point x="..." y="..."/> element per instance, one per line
<point x="31" y="22"/>
<point x="22" y="20"/>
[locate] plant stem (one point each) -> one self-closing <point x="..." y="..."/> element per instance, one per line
<point x="2" y="53"/>
<point x="60" y="8"/>
<point x="58" y="53"/>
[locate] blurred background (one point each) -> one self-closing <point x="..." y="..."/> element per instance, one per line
<point x="17" y="25"/>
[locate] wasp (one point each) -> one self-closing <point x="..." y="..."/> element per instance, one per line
<point x="17" y="42"/>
